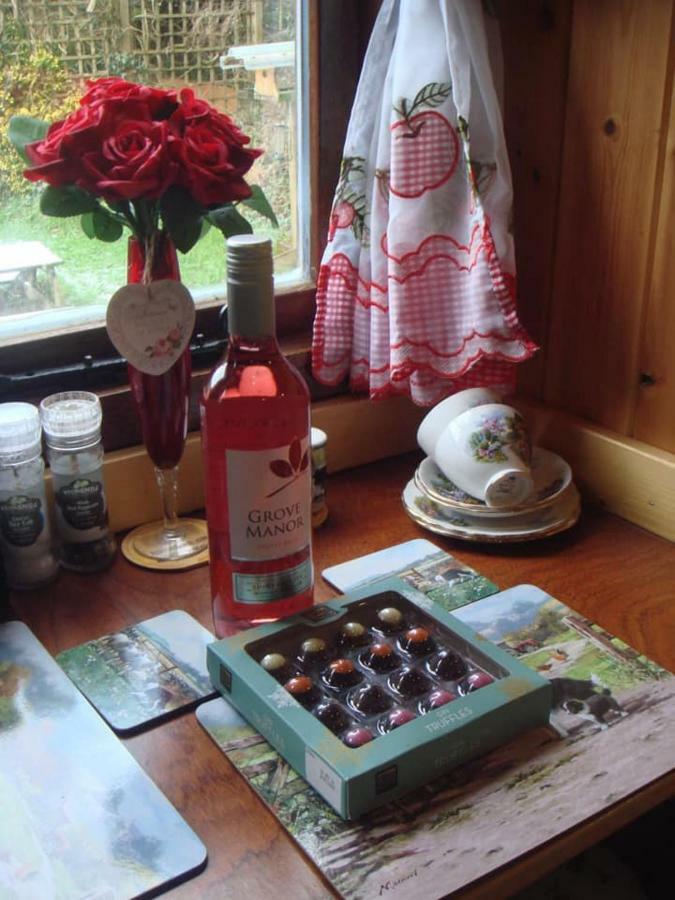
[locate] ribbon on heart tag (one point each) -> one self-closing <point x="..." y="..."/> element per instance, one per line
<point x="151" y="324"/>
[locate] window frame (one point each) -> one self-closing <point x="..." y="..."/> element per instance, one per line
<point x="84" y="355"/>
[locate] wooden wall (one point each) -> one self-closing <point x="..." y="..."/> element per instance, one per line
<point x="591" y="132"/>
<point x="590" y="124"/>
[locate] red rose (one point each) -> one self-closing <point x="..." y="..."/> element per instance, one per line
<point x="56" y="158"/>
<point x="159" y="103"/>
<point x="210" y="151"/>
<point x="131" y="162"/>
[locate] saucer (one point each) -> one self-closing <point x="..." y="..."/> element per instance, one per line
<point x="550" y="473"/>
<point x="559" y="515"/>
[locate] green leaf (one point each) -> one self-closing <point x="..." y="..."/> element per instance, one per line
<point x="259" y="202"/>
<point x="106" y="227"/>
<point x="229" y="221"/>
<point x="432" y="95"/>
<point x="66" y="201"/>
<point x="182" y="217"/>
<point x="24" y="130"/>
<point x="87" y="224"/>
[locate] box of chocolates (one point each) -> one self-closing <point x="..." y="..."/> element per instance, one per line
<point x="374" y="693"/>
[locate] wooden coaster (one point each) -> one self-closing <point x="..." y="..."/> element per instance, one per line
<point x="131" y="552"/>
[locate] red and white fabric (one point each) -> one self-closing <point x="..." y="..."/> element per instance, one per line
<point x="416" y="290"/>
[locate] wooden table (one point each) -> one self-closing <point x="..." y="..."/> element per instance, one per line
<point x="20" y="261"/>
<point x="611" y="571"/>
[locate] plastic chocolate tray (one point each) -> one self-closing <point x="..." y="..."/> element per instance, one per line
<point x="382" y="666"/>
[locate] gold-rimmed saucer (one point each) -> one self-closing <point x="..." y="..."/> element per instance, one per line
<point x="532" y="525"/>
<point x="550" y="473"/>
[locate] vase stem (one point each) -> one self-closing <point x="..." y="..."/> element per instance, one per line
<point x="167" y="481"/>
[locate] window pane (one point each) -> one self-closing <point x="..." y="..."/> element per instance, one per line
<point x="242" y="56"/>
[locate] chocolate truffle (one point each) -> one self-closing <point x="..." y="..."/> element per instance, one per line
<point x="417" y="641"/>
<point x="352" y="634"/>
<point x="277" y="666"/>
<point x="409" y="682"/>
<point x="303" y="689"/>
<point x="332" y="716"/>
<point x="342" y="673"/>
<point x="448" y="665"/>
<point x="370" y="698"/>
<point x="435" y="699"/>
<point x="380" y="658"/>
<point x="396" y="718"/>
<point x="313" y="651"/>
<point x="475" y="681"/>
<point x="358" y="736"/>
<point x="389" y="619"/>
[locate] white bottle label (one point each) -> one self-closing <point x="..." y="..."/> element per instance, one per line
<point x="269" y="501"/>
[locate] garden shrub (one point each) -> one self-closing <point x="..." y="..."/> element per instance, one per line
<point x="33" y="82"/>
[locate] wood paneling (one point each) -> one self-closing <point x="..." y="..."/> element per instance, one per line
<point x="617" y="77"/>
<point x="535" y="40"/>
<point x="655" y="412"/>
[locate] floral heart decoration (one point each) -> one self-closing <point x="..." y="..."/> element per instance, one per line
<point x="151" y="324"/>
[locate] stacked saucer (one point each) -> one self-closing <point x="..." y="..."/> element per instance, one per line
<point x="437" y="504"/>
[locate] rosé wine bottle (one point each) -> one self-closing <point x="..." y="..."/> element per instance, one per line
<point x="257" y="457"/>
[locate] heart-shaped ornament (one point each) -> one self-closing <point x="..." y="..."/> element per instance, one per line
<point x="151" y="324"/>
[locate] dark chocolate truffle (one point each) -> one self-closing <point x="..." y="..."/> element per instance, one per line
<point x="380" y="658"/>
<point x="303" y="689"/>
<point x="370" y="698"/>
<point x="409" y="682"/>
<point x="332" y="716"/>
<point x="358" y="736"/>
<point x="390" y="620"/>
<point x="417" y="641"/>
<point x="342" y="673"/>
<point x="313" y="651"/>
<point x="448" y="665"/>
<point x="353" y="634"/>
<point x="475" y="681"/>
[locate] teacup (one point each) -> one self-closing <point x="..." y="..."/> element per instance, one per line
<point x="434" y="423"/>
<point x="486" y="452"/>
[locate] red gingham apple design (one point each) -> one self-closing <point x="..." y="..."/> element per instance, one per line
<point x="425" y="147"/>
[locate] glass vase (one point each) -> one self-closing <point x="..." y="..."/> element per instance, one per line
<point x="162" y="402"/>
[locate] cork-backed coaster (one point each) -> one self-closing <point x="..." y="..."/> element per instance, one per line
<point x="199" y="537"/>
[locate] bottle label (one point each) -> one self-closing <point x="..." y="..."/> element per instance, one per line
<point x="21" y="519"/>
<point x="272" y="585"/>
<point x="80" y="506"/>
<point x="269" y="501"/>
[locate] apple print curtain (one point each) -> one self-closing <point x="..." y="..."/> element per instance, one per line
<point x="416" y="291"/>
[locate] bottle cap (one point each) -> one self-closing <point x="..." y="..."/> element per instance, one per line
<point x="19" y="428"/>
<point x="71" y="418"/>
<point x="249" y="259"/>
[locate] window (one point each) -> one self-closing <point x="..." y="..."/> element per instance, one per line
<point x="246" y="57"/>
<point x="78" y="353"/>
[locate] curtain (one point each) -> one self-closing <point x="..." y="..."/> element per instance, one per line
<point x="416" y="291"/>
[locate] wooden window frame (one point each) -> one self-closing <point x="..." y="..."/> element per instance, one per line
<point x="59" y="357"/>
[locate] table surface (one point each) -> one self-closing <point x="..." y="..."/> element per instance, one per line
<point x="16" y="256"/>
<point x="611" y="571"/>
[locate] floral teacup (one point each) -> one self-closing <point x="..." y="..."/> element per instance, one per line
<point x="486" y="452"/>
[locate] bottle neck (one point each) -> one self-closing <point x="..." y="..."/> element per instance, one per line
<point x="250" y="309"/>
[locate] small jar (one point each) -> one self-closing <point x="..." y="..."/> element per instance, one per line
<point x="25" y="533"/>
<point x="72" y="427"/>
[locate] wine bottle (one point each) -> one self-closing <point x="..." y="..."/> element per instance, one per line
<point x="257" y="456"/>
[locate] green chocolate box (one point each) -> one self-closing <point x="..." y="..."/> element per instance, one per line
<point x="423" y="693"/>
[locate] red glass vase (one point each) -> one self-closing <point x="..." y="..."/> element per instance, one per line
<point x="162" y="402"/>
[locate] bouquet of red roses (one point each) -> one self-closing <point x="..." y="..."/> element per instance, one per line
<point x="143" y="157"/>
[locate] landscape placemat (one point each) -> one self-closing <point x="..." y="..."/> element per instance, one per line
<point x="145" y="673"/>
<point x="80" y="819"/>
<point x="613" y="733"/>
